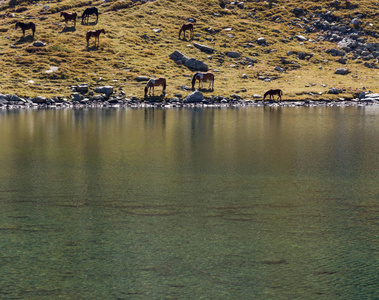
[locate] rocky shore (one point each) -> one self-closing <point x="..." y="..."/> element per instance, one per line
<point x="103" y="97"/>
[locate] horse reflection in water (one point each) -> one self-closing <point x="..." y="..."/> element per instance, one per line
<point x="26" y="26"/>
<point x="69" y="17"/>
<point x="273" y="93"/>
<point x="184" y="28"/>
<point x="95" y="34"/>
<point x="155" y="82"/>
<point x="208" y="76"/>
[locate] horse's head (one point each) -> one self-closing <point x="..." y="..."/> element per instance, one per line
<point x="62" y="13"/>
<point x="17" y="24"/>
<point x="102" y="30"/>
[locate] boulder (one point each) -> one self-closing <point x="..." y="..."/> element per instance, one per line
<point x="342" y="71"/>
<point x="204" y="48"/>
<point x="233" y="54"/>
<point x="261" y="41"/>
<point x="301" y="38"/>
<point x="39" y="100"/>
<point x="106" y="90"/>
<point x="334" y="90"/>
<point x="177" y="56"/>
<point x="194" y="97"/>
<point x="142" y="78"/>
<point x="77" y="97"/>
<point x="195" y="64"/>
<point x="82" y="88"/>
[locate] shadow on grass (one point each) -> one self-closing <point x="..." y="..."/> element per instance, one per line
<point x="25" y="39"/>
<point x="90" y="23"/>
<point x="68" y="29"/>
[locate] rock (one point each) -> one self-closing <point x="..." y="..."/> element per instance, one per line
<point x="261" y="41"/>
<point x="342" y="60"/>
<point x="336" y="52"/>
<point x="82" y="88"/>
<point x="204" y="48"/>
<point x="77" y="97"/>
<point x="342" y="71"/>
<point x="142" y="78"/>
<point x="106" y="90"/>
<point x="301" y="38"/>
<point x="194" y="97"/>
<point x="301" y="55"/>
<point x="244" y="76"/>
<point x="39" y="44"/>
<point x="334" y="90"/>
<point x="15" y="98"/>
<point x="195" y="64"/>
<point x="158" y="30"/>
<point x="39" y="100"/>
<point x="256" y="96"/>
<point x="177" y="56"/>
<point x="233" y="54"/>
<point x="279" y="69"/>
<point x="241" y="5"/>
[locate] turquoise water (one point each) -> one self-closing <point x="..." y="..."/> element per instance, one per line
<point x="236" y="203"/>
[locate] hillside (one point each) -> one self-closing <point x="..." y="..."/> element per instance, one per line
<point x="293" y="45"/>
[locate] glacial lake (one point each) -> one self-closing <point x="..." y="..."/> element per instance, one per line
<point x="189" y="203"/>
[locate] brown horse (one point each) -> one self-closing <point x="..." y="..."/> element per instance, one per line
<point x="272" y="93"/>
<point x="184" y="28"/>
<point x="155" y="82"/>
<point x="203" y="77"/>
<point x="95" y="34"/>
<point x="26" y="26"/>
<point x="69" y="17"/>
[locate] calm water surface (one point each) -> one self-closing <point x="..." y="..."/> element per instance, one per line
<point x="251" y="203"/>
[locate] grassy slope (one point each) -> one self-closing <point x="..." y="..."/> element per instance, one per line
<point x="123" y="53"/>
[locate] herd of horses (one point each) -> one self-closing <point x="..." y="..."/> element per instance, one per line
<point x="153" y="82"/>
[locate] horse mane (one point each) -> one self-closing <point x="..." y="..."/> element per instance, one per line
<point x="194" y="79"/>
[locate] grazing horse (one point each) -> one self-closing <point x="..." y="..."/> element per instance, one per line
<point x="273" y="93"/>
<point x="184" y="28"/>
<point x="90" y="11"/>
<point x="69" y="17"/>
<point x="26" y="26"/>
<point x="203" y="77"/>
<point x="95" y="34"/>
<point x="155" y="82"/>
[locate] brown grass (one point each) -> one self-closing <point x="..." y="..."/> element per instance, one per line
<point x="130" y="48"/>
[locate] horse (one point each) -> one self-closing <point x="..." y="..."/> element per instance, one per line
<point x="69" y="17"/>
<point x="90" y="11"/>
<point x="187" y="26"/>
<point x="155" y="82"/>
<point x="95" y="34"/>
<point x="203" y="77"/>
<point x="272" y="93"/>
<point x="26" y="26"/>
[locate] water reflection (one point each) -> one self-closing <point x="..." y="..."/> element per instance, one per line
<point x="189" y="203"/>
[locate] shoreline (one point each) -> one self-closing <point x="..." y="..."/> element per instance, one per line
<point x="57" y="103"/>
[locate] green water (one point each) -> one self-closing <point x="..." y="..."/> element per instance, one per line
<point x="249" y="203"/>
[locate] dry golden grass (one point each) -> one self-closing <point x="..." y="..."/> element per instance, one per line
<point x="125" y="52"/>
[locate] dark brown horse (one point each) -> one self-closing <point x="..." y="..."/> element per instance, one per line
<point x="90" y="11"/>
<point x="155" y="82"/>
<point x="26" y="26"/>
<point x="184" y="28"/>
<point x="69" y="17"/>
<point x="203" y="77"/>
<point x="95" y="34"/>
<point x="272" y="93"/>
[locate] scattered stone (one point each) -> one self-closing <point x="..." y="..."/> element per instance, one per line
<point x="334" y="90"/>
<point x="39" y="44"/>
<point x="233" y="54"/>
<point x="244" y="76"/>
<point x="261" y="41"/>
<point x="195" y="64"/>
<point x="301" y="38"/>
<point x="82" y="88"/>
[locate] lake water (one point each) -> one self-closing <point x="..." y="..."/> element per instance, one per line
<point x="213" y="203"/>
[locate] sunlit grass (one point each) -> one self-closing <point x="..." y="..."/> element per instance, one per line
<point x="130" y="48"/>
